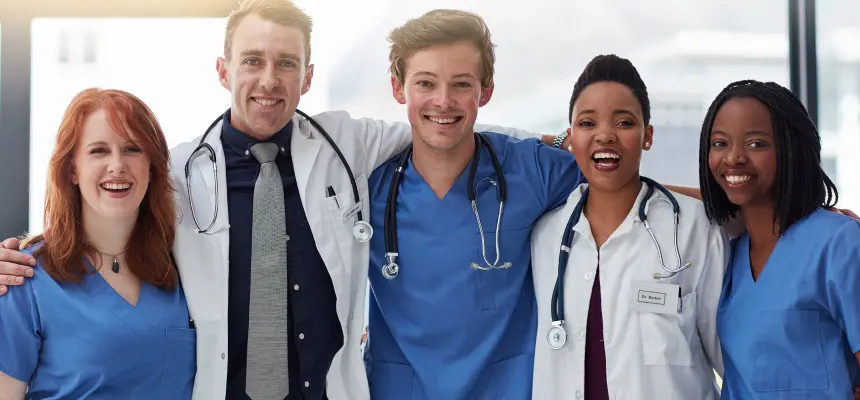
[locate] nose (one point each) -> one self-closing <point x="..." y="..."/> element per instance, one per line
<point x="443" y="98"/>
<point x="606" y="136"/>
<point x="735" y="155"/>
<point x="269" y="78"/>
<point x="116" y="163"/>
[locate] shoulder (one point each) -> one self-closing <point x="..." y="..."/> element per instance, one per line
<point x="385" y="170"/>
<point x="692" y="216"/>
<point x="336" y="123"/>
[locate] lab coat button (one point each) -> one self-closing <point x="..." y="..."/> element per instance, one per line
<point x="223" y="356"/>
<point x="301" y="336"/>
<point x="579" y="334"/>
<point x="578" y="394"/>
<point x="588" y="276"/>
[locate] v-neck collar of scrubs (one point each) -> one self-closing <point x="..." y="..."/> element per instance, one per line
<point x="459" y="187"/>
<point x="145" y="313"/>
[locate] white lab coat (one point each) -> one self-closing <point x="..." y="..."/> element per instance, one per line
<point x="649" y="356"/>
<point x="202" y="259"/>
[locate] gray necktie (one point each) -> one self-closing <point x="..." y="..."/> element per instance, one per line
<point x="267" y="370"/>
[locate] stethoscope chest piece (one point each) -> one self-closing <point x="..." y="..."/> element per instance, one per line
<point x="556" y="336"/>
<point x="362" y="231"/>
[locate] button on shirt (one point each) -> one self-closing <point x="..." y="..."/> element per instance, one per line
<point x="313" y="325"/>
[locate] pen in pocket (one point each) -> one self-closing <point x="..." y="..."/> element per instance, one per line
<point x="330" y="193"/>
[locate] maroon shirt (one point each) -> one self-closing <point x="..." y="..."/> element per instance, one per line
<point x="596" y="387"/>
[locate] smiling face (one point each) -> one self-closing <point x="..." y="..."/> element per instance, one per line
<point x="608" y="134"/>
<point x="266" y="74"/>
<point x="112" y="173"/>
<point x="742" y="154"/>
<point x="442" y="91"/>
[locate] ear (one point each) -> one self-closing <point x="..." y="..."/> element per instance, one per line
<point x="309" y="76"/>
<point x="648" y="140"/>
<point x="75" y="180"/>
<point x="221" y="67"/>
<point x="486" y="94"/>
<point x="397" y="90"/>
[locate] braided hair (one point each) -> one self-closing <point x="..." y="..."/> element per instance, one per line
<point x="801" y="185"/>
<point x="611" y="68"/>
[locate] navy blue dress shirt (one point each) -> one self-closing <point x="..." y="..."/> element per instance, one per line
<point x="313" y="324"/>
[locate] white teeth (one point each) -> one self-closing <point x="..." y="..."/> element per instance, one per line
<point x="606" y="155"/>
<point x="443" y="120"/>
<point x="116" y="186"/>
<point x="266" y="102"/>
<point x="735" y="179"/>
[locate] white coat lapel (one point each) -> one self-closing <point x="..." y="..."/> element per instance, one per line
<point x="304" y="149"/>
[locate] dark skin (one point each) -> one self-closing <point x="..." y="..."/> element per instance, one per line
<point x="743" y="161"/>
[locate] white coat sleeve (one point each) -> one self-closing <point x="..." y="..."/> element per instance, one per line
<point x="513" y="132"/>
<point x="708" y="296"/>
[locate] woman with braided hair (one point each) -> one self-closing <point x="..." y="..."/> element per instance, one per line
<point x="789" y="314"/>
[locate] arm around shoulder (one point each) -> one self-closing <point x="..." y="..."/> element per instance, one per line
<point x="380" y="140"/>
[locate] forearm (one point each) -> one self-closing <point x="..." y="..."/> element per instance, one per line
<point x="11" y="388"/>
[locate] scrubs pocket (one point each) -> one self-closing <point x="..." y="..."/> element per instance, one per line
<point x="666" y="338"/>
<point x="501" y="287"/>
<point x="180" y="364"/>
<point x="790" y="357"/>
<point x="390" y="380"/>
<point x="512" y="378"/>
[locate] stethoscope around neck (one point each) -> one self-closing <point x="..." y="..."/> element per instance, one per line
<point x="390" y="270"/>
<point x="361" y="230"/>
<point x="556" y="336"/>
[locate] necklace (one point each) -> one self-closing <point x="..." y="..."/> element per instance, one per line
<point x="115" y="266"/>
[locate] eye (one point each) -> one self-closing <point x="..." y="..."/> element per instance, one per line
<point x="585" y="123"/>
<point x="252" y="61"/>
<point x="757" y="144"/>
<point x="99" y="150"/>
<point x="718" y="143"/>
<point x="288" y="63"/>
<point x="133" y="149"/>
<point x="463" y="85"/>
<point x="425" y="84"/>
<point x="626" y="122"/>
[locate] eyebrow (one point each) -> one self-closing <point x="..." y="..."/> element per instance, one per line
<point x="615" y="112"/>
<point x="428" y="73"/>
<point x="747" y="133"/>
<point x="260" y="53"/>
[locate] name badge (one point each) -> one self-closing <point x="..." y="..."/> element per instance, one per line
<point x="350" y="212"/>
<point x="660" y="298"/>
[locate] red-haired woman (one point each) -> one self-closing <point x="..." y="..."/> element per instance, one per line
<point x="104" y="315"/>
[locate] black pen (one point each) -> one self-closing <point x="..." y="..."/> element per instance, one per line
<point x="330" y="193"/>
<point x="190" y="323"/>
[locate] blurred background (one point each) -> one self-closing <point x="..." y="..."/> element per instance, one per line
<point x="164" y="51"/>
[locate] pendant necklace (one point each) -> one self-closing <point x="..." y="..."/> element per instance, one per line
<point x="115" y="265"/>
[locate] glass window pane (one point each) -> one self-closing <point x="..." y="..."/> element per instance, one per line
<point x="839" y="95"/>
<point x="685" y="50"/>
<point x="168" y="63"/>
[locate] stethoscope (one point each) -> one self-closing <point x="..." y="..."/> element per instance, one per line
<point x="361" y="230"/>
<point x="557" y="335"/>
<point x="390" y="270"/>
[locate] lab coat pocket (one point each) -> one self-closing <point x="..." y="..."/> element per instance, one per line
<point x="500" y="287"/>
<point x="390" y="380"/>
<point x="342" y="215"/>
<point x="180" y="363"/>
<point x="667" y="338"/>
<point x="800" y="366"/>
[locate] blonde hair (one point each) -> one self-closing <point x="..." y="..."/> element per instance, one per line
<point x="281" y="12"/>
<point x="441" y="27"/>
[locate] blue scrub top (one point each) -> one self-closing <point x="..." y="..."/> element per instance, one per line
<point x="792" y="334"/>
<point x="84" y="341"/>
<point x="441" y="329"/>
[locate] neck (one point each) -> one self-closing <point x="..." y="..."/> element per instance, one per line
<point x="440" y="168"/>
<point x="109" y="235"/>
<point x="763" y="230"/>
<point x="606" y="210"/>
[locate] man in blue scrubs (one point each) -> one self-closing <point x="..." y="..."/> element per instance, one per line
<point x="443" y="328"/>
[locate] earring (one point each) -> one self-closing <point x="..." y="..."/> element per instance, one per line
<point x="647" y="145"/>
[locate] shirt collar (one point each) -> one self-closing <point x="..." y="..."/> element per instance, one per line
<point x="241" y="142"/>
